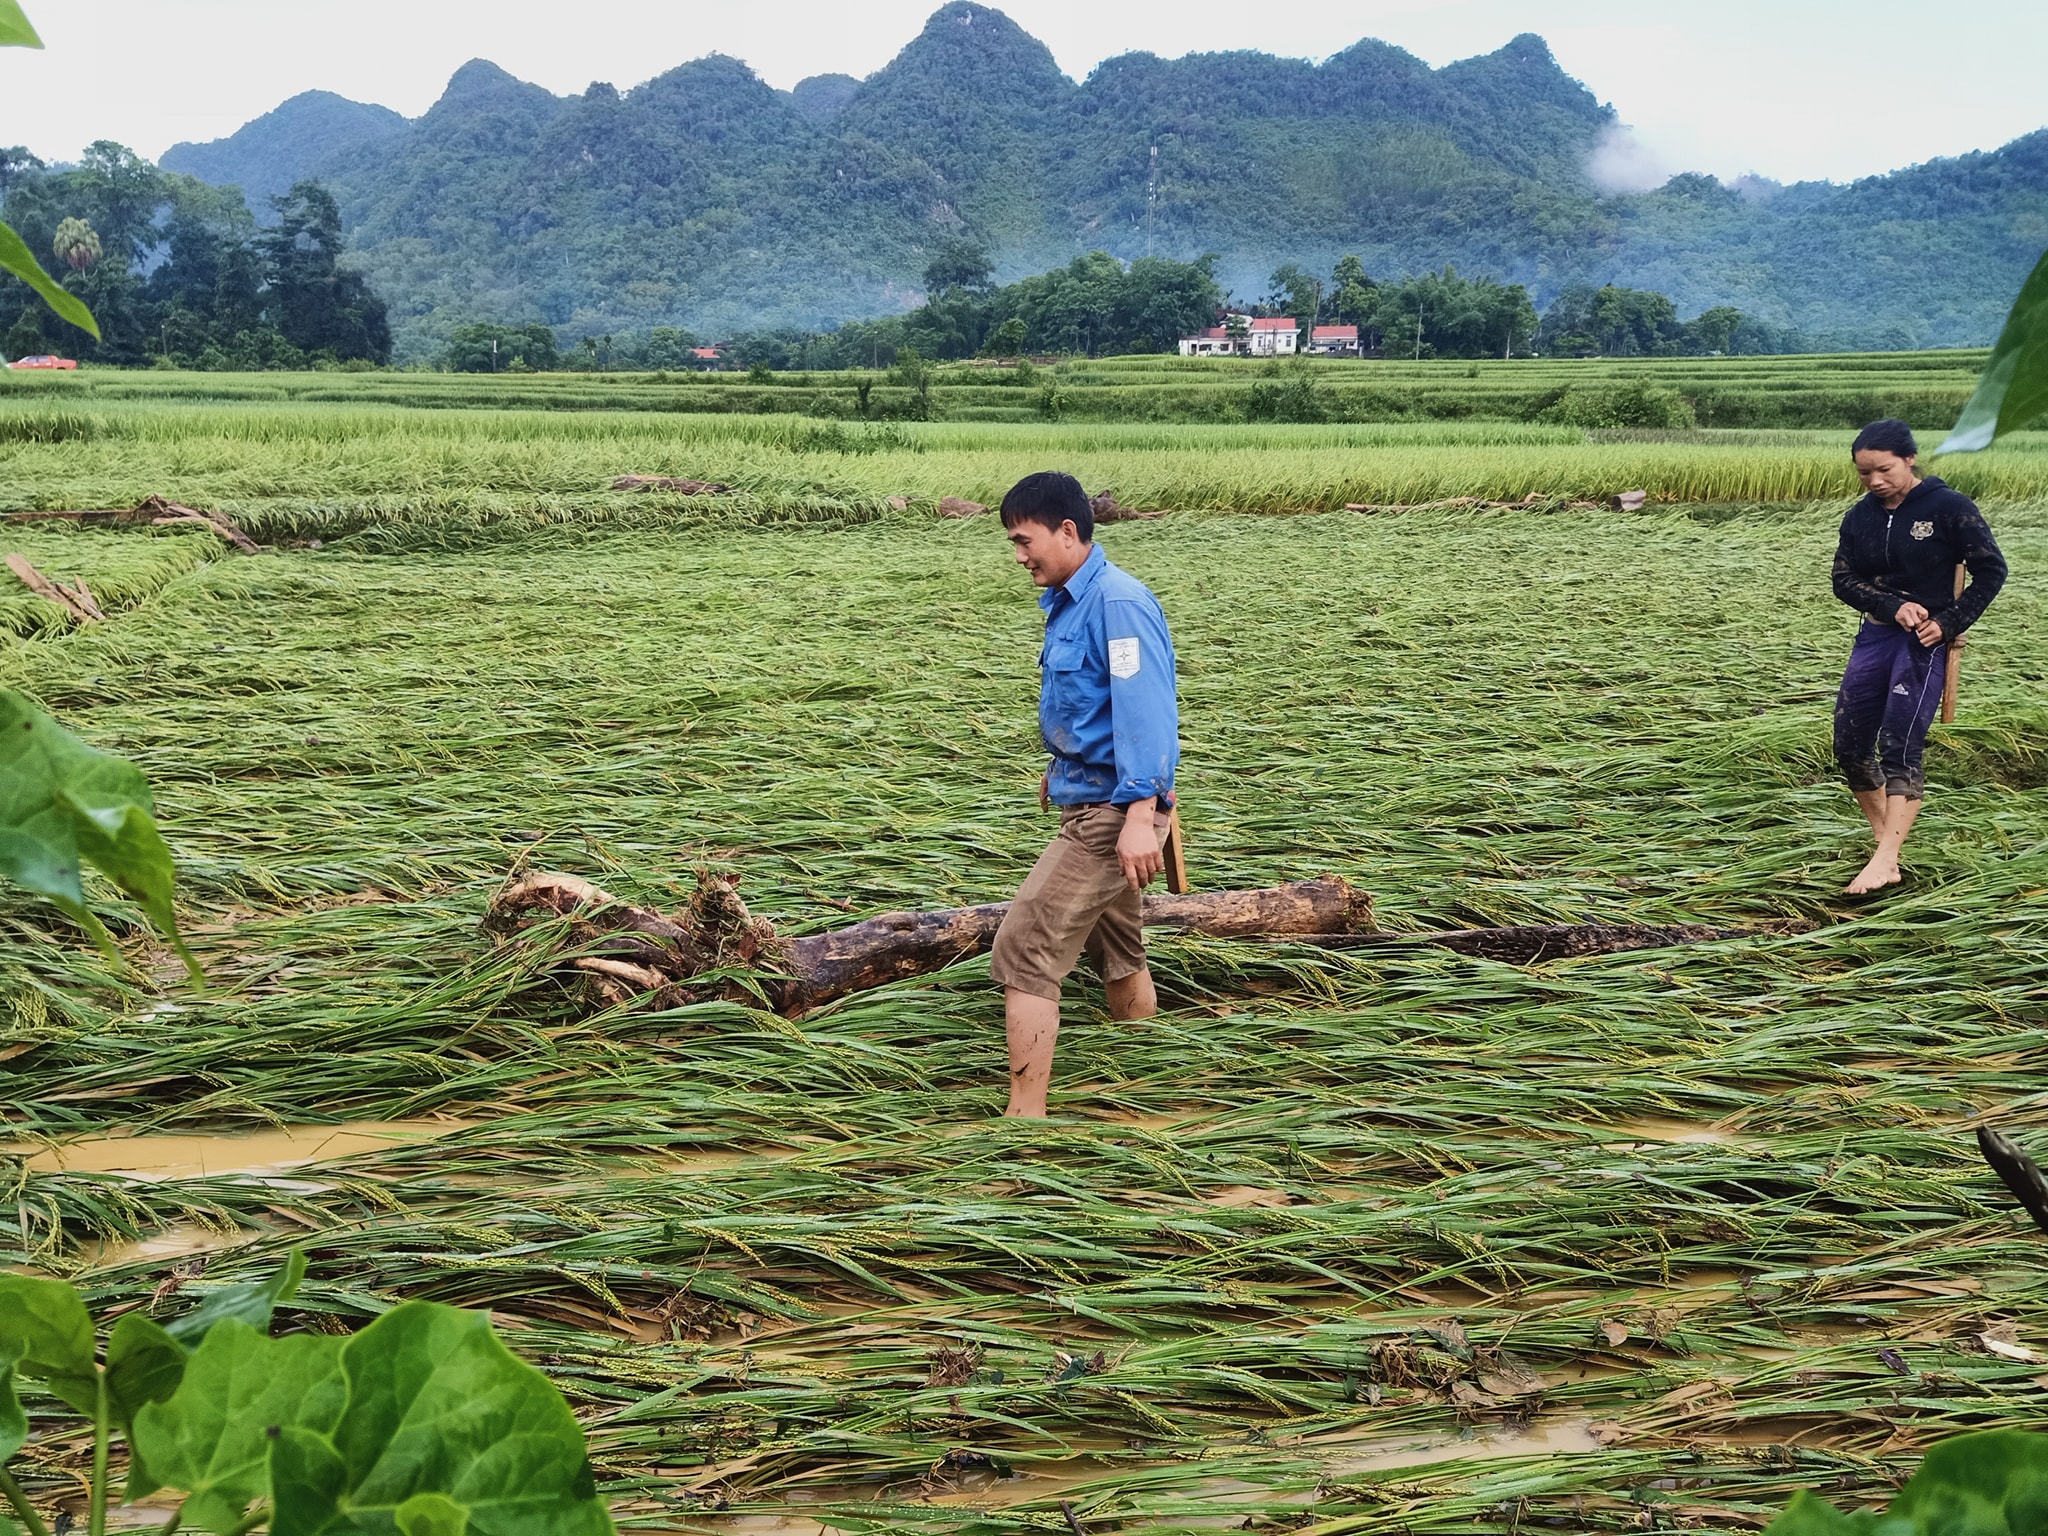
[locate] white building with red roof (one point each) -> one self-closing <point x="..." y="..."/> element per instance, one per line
<point x="1334" y="340"/>
<point x="1276" y="336"/>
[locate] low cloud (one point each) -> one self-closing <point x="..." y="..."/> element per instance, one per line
<point x="1621" y="162"/>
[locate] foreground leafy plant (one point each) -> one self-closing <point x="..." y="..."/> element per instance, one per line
<point x="64" y="804"/>
<point x="423" y="1422"/>
<point x="2013" y="389"/>
<point x="1975" y="1485"/>
<point x="15" y="256"/>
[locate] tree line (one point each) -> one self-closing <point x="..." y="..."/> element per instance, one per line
<point x="1099" y="306"/>
<point x="179" y="273"/>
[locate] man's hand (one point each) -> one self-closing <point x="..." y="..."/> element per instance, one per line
<point x="1137" y="850"/>
<point x="1045" y="790"/>
<point x="1928" y="632"/>
<point x="1910" y="616"/>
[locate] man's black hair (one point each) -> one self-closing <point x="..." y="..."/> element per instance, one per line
<point x="1887" y="436"/>
<point x="1050" y="498"/>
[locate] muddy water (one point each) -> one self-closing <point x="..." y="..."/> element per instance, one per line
<point x="200" y="1157"/>
<point x="179" y="1242"/>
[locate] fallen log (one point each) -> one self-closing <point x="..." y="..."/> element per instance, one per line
<point x="152" y="509"/>
<point x="91" y="518"/>
<point x="629" y="951"/>
<point x="162" y="512"/>
<point x="1108" y="509"/>
<point x="671" y="483"/>
<point x="1533" y="500"/>
<point x="1526" y="944"/>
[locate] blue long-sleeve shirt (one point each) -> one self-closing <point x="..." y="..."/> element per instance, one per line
<point x="1106" y="705"/>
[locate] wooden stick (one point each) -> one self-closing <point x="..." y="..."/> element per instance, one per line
<point x="1954" y="678"/>
<point x="80" y="607"/>
<point x="81" y="594"/>
<point x="1175" y="849"/>
<point x="178" y="512"/>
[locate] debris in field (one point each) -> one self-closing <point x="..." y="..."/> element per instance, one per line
<point x="74" y="600"/>
<point x="899" y="503"/>
<point x="152" y="509"/>
<point x="629" y="951"/>
<point x="1529" y="943"/>
<point x="950" y="1367"/>
<point x="671" y="483"/>
<point x="2003" y="1340"/>
<point x="1631" y="501"/>
<point x="140" y="514"/>
<point x="1614" y="1333"/>
<point x="1894" y="1362"/>
<point x="1508" y="1377"/>
<point x="162" y="512"/>
<point x="959" y="506"/>
<point x="1533" y="499"/>
<point x="1108" y="509"/>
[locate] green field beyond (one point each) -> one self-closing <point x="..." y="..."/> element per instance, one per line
<point x="1842" y="390"/>
<point x="1383" y="1242"/>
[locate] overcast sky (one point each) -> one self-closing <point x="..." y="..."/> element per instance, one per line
<point x="1790" y="89"/>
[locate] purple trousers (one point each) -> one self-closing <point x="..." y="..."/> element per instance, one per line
<point x="1889" y="695"/>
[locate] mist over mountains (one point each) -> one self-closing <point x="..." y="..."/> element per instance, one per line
<point x="708" y="199"/>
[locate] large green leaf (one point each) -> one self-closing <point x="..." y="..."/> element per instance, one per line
<point x="241" y="1389"/>
<point x="145" y="1362"/>
<point x="45" y="1328"/>
<point x="1980" y="1485"/>
<point x="13" y="1422"/>
<point x="1807" y="1515"/>
<point x="2013" y="388"/>
<point x="15" y="32"/>
<point x="432" y="1514"/>
<point x="144" y="1365"/>
<point x="437" y="1405"/>
<point x="63" y="803"/>
<point x="18" y="259"/>
<point x="251" y="1303"/>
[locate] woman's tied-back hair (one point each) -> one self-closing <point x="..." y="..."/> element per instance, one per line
<point x="1050" y="498"/>
<point x="1887" y="436"/>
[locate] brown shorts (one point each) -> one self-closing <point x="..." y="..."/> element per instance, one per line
<point x="1075" y="898"/>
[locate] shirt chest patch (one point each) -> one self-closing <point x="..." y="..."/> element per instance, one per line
<point x="1923" y="530"/>
<point x="1123" y="657"/>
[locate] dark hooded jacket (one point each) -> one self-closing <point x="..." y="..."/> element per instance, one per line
<point x="1889" y="556"/>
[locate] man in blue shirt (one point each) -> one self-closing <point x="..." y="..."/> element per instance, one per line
<point x="1107" y="712"/>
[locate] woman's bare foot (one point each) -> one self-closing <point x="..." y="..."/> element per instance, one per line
<point x="1877" y="874"/>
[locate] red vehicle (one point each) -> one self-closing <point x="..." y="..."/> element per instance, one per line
<point x="43" y="360"/>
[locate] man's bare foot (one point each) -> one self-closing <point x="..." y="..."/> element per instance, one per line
<point x="1877" y="874"/>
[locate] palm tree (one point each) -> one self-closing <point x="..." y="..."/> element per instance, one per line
<point x="76" y="245"/>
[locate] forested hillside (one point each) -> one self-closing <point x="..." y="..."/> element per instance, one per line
<point x="706" y="199"/>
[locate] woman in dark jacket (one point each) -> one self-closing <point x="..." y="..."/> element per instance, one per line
<point x="1896" y="565"/>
